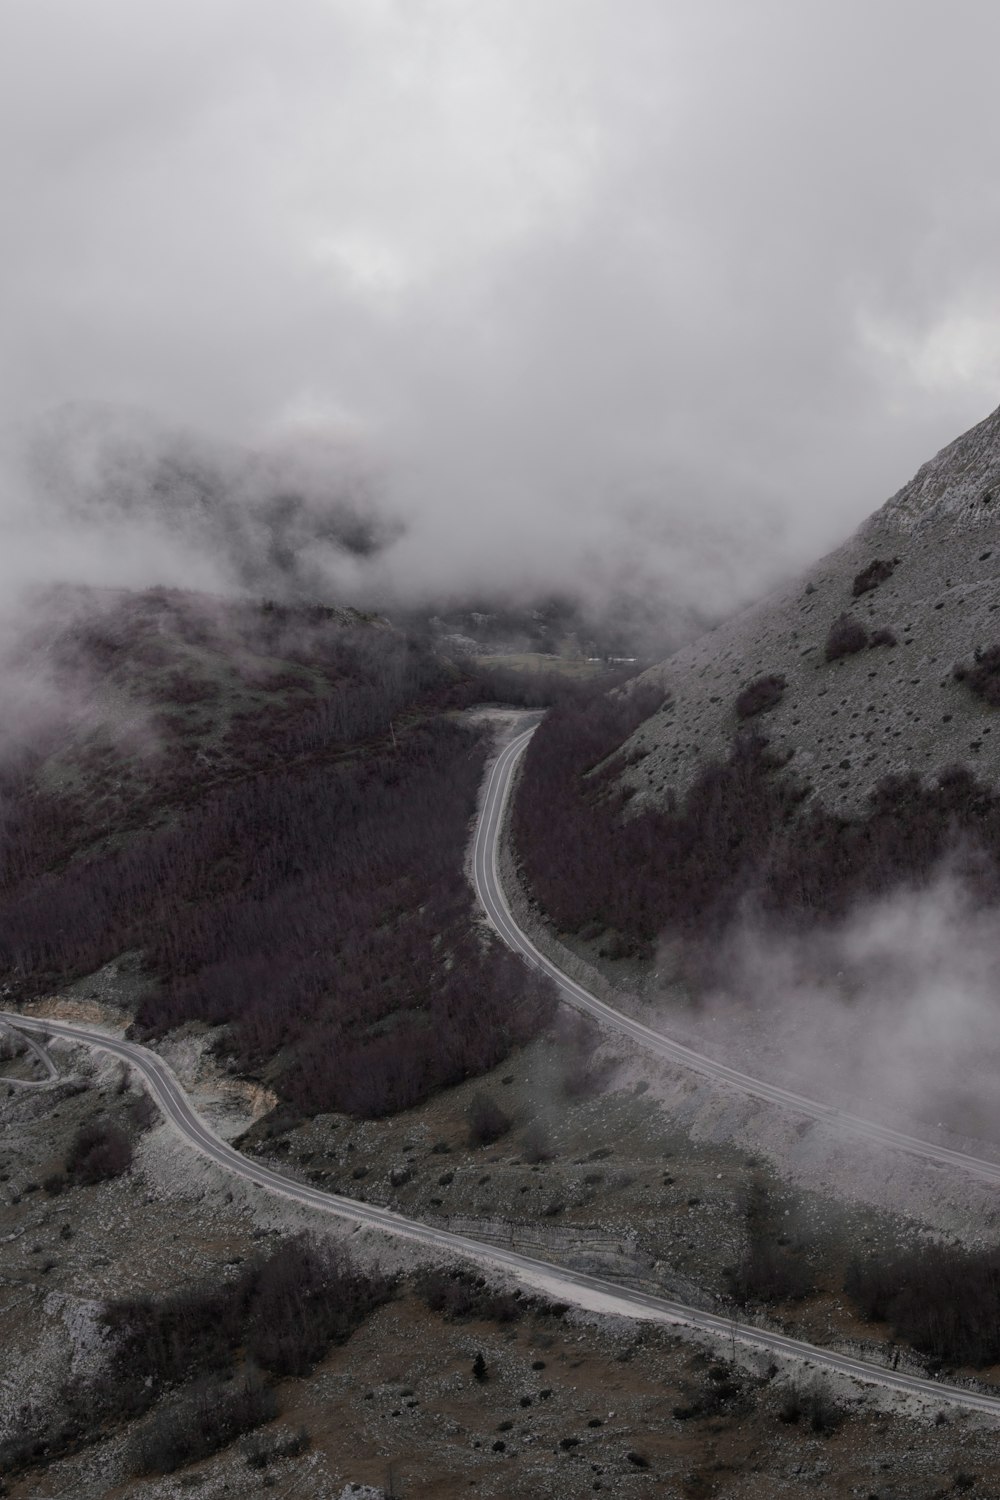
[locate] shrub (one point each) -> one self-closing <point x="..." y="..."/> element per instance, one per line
<point x="883" y="636"/>
<point x="761" y="694"/>
<point x="487" y="1121"/>
<point x="459" y="1294"/>
<point x="283" y="1312"/>
<point x="846" y="637"/>
<point x="982" y="677"/>
<point x="814" y="1405"/>
<point x="875" y="573"/>
<point x="99" y="1151"/>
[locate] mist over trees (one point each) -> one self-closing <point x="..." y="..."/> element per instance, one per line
<point x="739" y="841"/>
<point x="289" y="863"/>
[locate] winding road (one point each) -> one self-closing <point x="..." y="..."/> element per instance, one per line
<point x="557" y="1281"/>
<point x="491" y="894"/>
<point x="38" y="1051"/>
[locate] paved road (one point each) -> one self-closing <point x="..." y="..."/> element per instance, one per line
<point x="570" y="1286"/>
<point x="558" y="1281"/>
<point x="51" y="1071"/>
<point x="491" y="894"/>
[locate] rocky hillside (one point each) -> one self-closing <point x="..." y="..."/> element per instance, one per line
<point x="850" y="671"/>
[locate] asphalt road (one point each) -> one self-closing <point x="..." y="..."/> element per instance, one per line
<point x="490" y="892"/>
<point x="559" y="1282"/>
<point x="40" y="1052"/>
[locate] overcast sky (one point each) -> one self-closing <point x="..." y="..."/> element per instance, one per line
<point x="678" y="291"/>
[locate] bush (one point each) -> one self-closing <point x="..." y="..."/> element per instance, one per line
<point x="768" y="1273"/>
<point x="100" y="1151"/>
<point x="883" y="636"/>
<point x="460" y="1294"/>
<point x="982" y="677"/>
<point x="875" y="573"/>
<point x="814" y="1405"/>
<point x="536" y="1148"/>
<point x="846" y="637"/>
<point x="487" y="1121"/>
<point x="761" y="694"/>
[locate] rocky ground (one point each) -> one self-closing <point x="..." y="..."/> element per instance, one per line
<point x="604" y="1161"/>
<point x="571" y="1403"/>
<point x="886" y="709"/>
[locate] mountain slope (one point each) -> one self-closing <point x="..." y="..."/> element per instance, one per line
<point x="884" y="709"/>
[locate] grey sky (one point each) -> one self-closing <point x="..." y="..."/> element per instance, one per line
<point x="613" y="290"/>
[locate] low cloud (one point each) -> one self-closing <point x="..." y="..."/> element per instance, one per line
<point x="891" y="1013"/>
<point x="660" y="301"/>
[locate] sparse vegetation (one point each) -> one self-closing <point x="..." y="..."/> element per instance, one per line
<point x="487" y="1121"/>
<point x="846" y="637"/>
<point x="761" y="694"/>
<point x="875" y="573"/>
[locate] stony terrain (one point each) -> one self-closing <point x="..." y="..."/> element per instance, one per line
<point x="886" y="709"/>
<point x="571" y="1404"/>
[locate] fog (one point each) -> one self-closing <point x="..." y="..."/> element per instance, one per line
<point x="652" y="299"/>
<point x="890" y="1013"/>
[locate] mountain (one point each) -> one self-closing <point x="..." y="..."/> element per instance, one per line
<point x="913" y="594"/>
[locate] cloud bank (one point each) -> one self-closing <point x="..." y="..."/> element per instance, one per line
<point x="890" y="1013"/>
<point x="660" y="297"/>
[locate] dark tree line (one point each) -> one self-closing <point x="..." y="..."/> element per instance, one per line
<point x="739" y="839"/>
<point x="279" y="1316"/>
<point x="287" y="853"/>
<point x="943" y="1301"/>
<point x="320" y="913"/>
<point x="282" y="1312"/>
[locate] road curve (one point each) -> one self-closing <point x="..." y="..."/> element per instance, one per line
<point x="40" y="1052"/>
<point x="571" y="1286"/>
<point x="489" y="832"/>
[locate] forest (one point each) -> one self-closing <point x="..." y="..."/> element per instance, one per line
<point x="288" y="859"/>
<point x="740" y="842"/>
